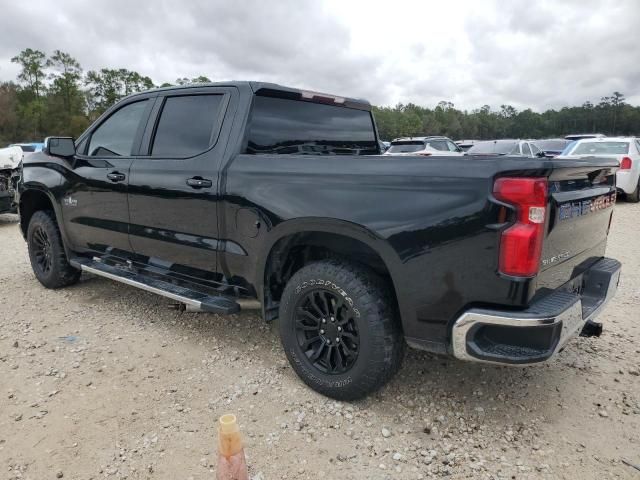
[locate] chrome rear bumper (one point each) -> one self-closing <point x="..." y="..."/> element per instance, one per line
<point x="539" y="332"/>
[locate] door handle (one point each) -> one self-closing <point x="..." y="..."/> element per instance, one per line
<point x="116" y="176"/>
<point x="199" y="182"/>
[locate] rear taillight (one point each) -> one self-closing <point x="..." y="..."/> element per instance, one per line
<point x="521" y="243"/>
<point x="625" y="164"/>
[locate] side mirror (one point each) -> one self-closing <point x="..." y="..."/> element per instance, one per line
<point x="541" y="154"/>
<point x="62" y="147"/>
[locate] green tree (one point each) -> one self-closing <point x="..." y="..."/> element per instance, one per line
<point x="65" y="103"/>
<point x="66" y="79"/>
<point x="8" y="112"/>
<point x="32" y="63"/>
<point x="107" y="86"/>
<point x="187" y="81"/>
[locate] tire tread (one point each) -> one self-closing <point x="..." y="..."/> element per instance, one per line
<point x="63" y="274"/>
<point x="375" y="299"/>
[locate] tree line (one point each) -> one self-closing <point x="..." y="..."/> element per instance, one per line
<point x="610" y="116"/>
<point x="53" y="95"/>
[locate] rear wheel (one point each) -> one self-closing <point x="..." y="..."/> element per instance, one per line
<point x="46" y="252"/>
<point x="339" y="329"/>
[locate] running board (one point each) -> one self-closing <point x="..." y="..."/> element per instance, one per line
<point x="194" y="299"/>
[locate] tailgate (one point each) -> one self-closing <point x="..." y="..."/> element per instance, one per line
<point x="582" y="194"/>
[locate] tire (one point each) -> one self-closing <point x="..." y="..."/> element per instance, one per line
<point x="360" y="337"/>
<point x="635" y="196"/>
<point x="46" y="252"/>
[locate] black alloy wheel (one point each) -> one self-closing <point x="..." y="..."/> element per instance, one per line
<point x="42" y="250"/>
<point x="46" y="252"/>
<point x="340" y="329"/>
<point x="326" y="331"/>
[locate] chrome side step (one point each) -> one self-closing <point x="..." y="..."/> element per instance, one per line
<point x="194" y="299"/>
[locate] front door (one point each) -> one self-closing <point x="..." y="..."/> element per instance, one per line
<point x="173" y="189"/>
<point x="94" y="202"/>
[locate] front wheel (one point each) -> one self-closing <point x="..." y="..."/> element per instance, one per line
<point x="46" y="252"/>
<point x="339" y="329"/>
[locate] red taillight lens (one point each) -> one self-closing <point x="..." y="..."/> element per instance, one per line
<point x="626" y="163"/>
<point x="521" y="243"/>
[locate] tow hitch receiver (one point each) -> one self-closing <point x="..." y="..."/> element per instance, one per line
<point x="591" y="329"/>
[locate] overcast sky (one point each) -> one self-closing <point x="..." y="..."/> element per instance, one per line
<point x="526" y="53"/>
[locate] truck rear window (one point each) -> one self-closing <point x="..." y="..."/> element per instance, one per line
<point x="602" y="148"/>
<point x="406" y="147"/>
<point x="284" y="126"/>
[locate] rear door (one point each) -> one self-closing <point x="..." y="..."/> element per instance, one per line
<point x="174" y="183"/>
<point x="94" y="201"/>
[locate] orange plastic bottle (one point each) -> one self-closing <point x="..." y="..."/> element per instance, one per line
<point x="232" y="464"/>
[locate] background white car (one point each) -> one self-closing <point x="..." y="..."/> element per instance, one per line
<point x="624" y="149"/>
<point x="10" y="159"/>
<point x="425" y="146"/>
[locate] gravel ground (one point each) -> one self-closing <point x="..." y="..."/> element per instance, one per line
<point x="102" y="380"/>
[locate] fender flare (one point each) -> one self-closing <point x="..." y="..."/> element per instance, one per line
<point x="351" y="230"/>
<point x="41" y="189"/>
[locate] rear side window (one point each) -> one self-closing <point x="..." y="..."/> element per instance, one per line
<point x="602" y="148"/>
<point x="284" y="126"/>
<point x="115" y="136"/>
<point x="407" y="146"/>
<point x="186" y="125"/>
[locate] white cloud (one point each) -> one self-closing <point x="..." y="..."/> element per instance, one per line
<point x="528" y="54"/>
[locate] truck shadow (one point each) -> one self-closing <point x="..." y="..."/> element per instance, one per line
<point x="9" y="220"/>
<point x="426" y="388"/>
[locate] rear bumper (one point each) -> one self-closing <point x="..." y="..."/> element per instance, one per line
<point x="542" y="330"/>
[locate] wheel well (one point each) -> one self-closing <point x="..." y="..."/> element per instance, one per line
<point x="291" y="253"/>
<point x="32" y="201"/>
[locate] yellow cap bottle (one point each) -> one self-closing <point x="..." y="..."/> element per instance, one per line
<point x="231" y="461"/>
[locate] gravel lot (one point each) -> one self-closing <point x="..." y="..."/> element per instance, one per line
<point x="102" y="380"/>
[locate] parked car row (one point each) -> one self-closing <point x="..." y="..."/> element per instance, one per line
<point x="443" y="146"/>
<point x="626" y="150"/>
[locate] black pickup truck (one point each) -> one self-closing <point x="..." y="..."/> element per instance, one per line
<point x="213" y="194"/>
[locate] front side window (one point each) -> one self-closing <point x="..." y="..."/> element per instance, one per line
<point x="526" y="151"/>
<point x="115" y="136"/>
<point x="534" y="149"/>
<point x="452" y="146"/>
<point x="285" y="126"/>
<point x="186" y="125"/>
